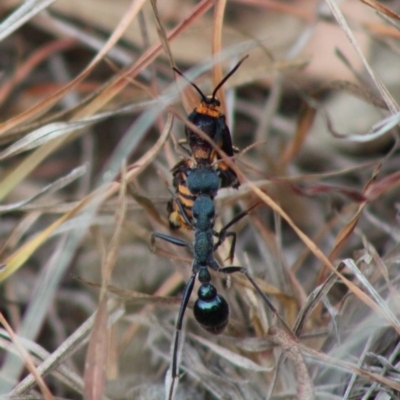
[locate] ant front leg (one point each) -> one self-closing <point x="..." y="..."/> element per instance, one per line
<point x="267" y="301"/>
<point x="170" y="239"/>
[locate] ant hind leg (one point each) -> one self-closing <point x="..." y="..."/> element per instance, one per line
<point x="178" y="328"/>
<point x="267" y="301"/>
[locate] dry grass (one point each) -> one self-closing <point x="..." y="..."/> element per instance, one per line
<point x="87" y="97"/>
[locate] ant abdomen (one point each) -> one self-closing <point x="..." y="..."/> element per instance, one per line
<point x="211" y="310"/>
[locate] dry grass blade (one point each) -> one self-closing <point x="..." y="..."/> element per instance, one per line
<point x="136" y="168"/>
<point x="307" y="241"/>
<point x="232" y="357"/>
<point x="18" y="258"/>
<point x="275" y="5"/>
<point x="64" y="374"/>
<point x="26" y="11"/>
<point x="39" y="109"/>
<point x="32" y="161"/>
<point x="381" y="8"/>
<point x="349" y="227"/>
<point x="41" y="136"/>
<point x="267" y="289"/>
<point x="27" y="360"/>
<point x="329" y="213"/>
<point x="304" y="123"/>
<point x="309" y="112"/>
<point x="304" y="386"/>
<point x="358" y="91"/>
<point x="97" y="353"/>
<point x="133" y="296"/>
<point x="162" y="34"/>
<point x="378" y="130"/>
<point x="382" y="186"/>
<point x="218" y="19"/>
<point x="70" y="346"/>
<point x="19" y="173"/>
<point x="369" y="288"/>
<point x="147" y="205"/>
<point x="351" y="368"/>
<point x="320" y="188"/>
<point x="313" y="300"/>
<point x="52" y="187"/>
<point x="122" y="79"/>
<point x="320" y="255"/>
<point x="391" y="103"/>
<point x="54" y="130"/>
<point x="35" y="59"/>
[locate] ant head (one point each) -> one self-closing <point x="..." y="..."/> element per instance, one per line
<point x="212" y="100"/>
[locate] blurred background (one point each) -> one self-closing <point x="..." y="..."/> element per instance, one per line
<point x="87" y="142"/>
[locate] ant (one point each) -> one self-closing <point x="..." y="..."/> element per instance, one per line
<point x="210" y="310"/>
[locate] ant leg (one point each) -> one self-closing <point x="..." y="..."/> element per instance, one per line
<point x="170" y="239"/>
<point x="233" y="269"/>
<point x="178" y="327"/>
<point x="238" y="218"/>
<point x="221" y="238"/>
<point x="223" y="234"/>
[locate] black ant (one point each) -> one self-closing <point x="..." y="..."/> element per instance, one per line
<point x="210" y="309"/>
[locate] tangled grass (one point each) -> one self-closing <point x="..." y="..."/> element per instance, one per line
<point x="91" y="116"/>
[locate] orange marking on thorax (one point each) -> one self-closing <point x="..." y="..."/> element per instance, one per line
<point x="207" y="109"/>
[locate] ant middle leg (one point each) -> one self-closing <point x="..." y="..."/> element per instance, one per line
<point x="224" y="233"/>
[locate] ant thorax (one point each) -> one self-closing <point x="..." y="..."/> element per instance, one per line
<point x="203" y="180"/>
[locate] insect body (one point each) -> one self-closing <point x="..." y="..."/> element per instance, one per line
<point x="210" y="309"/>
<point x="209" y="119"/>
